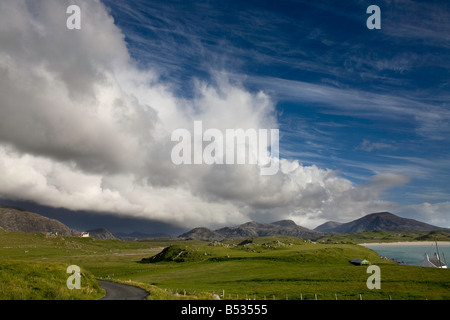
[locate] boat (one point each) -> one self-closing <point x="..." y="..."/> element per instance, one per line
<point x="435" y="262"/>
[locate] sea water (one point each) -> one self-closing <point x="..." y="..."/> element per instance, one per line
<point x="410" y="254"/>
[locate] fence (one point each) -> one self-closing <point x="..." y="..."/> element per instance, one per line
<point x="273" y="297"/>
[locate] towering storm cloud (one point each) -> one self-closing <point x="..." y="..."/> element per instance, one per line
<point x="85" y="126"/>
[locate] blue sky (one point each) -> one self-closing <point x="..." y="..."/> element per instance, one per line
<point x="364" y="117"/>
<point x="348" y="98"/>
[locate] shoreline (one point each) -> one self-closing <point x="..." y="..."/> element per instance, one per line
<point x="405" y="243"/>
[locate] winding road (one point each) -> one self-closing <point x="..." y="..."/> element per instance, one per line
<point x="119" y="291"/>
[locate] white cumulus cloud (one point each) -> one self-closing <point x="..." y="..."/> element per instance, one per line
<point x="82" y="127"/>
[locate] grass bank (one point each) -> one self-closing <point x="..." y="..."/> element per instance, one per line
<point x="25" y="280"/>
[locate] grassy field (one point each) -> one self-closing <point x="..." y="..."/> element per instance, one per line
<point x="33" y="267"/>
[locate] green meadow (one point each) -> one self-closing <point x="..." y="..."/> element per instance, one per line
<point x="33" y="266"/>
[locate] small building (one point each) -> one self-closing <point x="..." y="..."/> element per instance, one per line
<point x="85" y="234"/>
<point x="360" y="262"/>
<point x="435" y="262"/>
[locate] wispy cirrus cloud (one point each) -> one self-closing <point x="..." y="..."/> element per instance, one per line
<point x="368" y="146"/>
<point x="430" y="118"/>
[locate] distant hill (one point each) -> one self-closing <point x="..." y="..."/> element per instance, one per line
<point x="285" y="223"/>
<point x="253" y="229"/>
<point x="202" y="233"/>
<point x="278" y="228"/>
<point x="16" y="219"/>
<point x="328" y="226"/>
<point x="139" y="235"/>
<point x="385" y="221"/>
<point x="102" y="234"/>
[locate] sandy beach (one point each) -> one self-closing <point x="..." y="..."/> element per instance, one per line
<point x="406" y="243"/>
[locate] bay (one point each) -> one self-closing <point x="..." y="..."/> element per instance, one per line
<point x="410" y="254"/>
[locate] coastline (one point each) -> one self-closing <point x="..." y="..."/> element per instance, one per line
<point x="405" y="243"/>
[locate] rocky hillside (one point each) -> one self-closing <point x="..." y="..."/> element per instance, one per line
<point x="253" y="229"/>
<point x="15" y="219"/>
<point x="278" y="228"/>
<point x="328" y="226"/>
<point x="385" y="221"/>
<point x="202" y="233"/>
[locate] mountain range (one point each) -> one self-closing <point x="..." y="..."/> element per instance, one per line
<point x="385" y="221"/>
<point x="17" y="219"/>
<point x="252" y="229"/>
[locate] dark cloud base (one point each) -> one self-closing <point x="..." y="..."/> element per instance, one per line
<point x="84" y="220"/>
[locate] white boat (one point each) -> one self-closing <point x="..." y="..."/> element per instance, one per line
<point x="435" y="262"/>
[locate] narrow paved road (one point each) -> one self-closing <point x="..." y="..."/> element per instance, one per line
<point x="118" y="291"/>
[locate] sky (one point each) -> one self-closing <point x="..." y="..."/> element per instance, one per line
<point x="86" y="115"/>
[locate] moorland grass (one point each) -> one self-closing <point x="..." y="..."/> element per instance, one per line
<point x="33" y="266"/>
<point x="25" y="280"/>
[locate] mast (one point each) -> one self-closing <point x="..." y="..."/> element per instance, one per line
<point x="438" y="255"/>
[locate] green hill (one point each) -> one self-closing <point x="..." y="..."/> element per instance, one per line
<point x="177" y="253"/>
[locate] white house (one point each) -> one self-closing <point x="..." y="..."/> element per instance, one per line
<point x="85" y="234"/>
